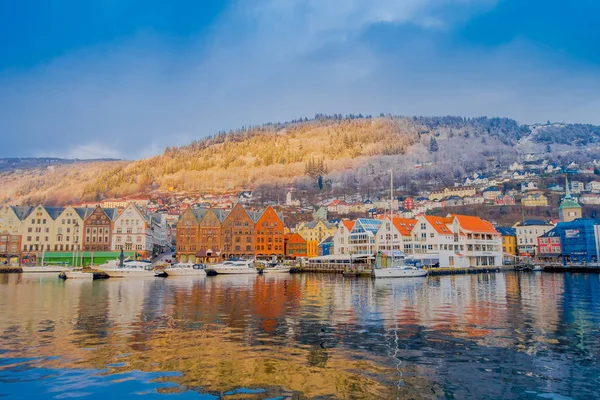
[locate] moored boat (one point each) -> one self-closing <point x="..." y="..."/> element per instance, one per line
<point x="279" y="268"/>
<point x="184" y="269"/>
<point x="76" y="273"/>
<point x="399" y="272"/>
<point x="44" y="269"/>
<point x="128" y="269"/>
<point x="232" y="267"/>
<point x="390" y="264"/>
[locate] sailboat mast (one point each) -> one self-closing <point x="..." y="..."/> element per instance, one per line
<point x="392" y="195"/>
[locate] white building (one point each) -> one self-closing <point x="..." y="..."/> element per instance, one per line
<point x="396" y="235"/>
<point x="457" y="241"/>
<point x="577" y="187"/>
<point x="289" y="201"/>
<point x="356" y="237"/>
<point x="160" y="232"/>
<point x="593" y="186"/>
<point x="132" y="231"/>
<point x="527" y="235"/>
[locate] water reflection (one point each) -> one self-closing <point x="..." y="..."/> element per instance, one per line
<point x="294" y="336"/>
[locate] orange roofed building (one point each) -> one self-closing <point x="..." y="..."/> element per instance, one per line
<point x="295" y="246"/>
<point x="269" y="235"/>
<point x="457" y="241"/>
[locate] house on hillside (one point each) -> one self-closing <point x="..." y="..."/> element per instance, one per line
<point x="491" y="193"/>
<point x="534" y="200"/>
<point x="506" y="200"/>
<point x="593" y="187"/>
<point x="528" y="186"/>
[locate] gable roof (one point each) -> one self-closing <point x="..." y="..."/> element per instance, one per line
<point x="348" y="224"/>
<point x="506" y="231"/>
<point x="404" y="225"/>
<point x="22" y="212"/>
<point x="294" y="238"/>
<point x="54" y="212"/>
<point x="84" y="212"/>
<point x="474" y="224"/>
<point x="440" y="224"/>
<point x="199" y="213"/>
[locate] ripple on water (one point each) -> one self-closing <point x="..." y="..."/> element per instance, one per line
<point x="496" y="335"/>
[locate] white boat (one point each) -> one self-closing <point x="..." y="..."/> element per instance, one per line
<point x="44" y="268"/>
<point x="76" y="273"/>
<point x="279" y="268"/>
<point x="234" y="267"/>
<point x="399" y="272"/>
<point x="390" y="264"/>
<point x="129" y="269"/>
<point x="184" y="269"/>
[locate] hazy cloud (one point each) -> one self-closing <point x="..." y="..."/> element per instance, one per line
<point x="277" y="60"/>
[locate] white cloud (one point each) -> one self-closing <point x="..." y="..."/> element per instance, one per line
<point x="277" y="60"/>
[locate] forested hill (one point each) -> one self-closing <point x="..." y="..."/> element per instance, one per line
<point x="353" y="151"/>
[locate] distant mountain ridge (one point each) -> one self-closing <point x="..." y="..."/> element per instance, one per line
<point x="8" y="163"/>
<point x="353" y="152"/>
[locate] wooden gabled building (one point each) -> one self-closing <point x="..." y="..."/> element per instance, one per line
<point x="237" y="234"/>
<point x="269" y="235"/>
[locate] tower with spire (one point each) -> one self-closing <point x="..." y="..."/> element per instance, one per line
<point x="569" y="209"/>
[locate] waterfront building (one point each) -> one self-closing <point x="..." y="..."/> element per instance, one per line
<point x="509" y="242"/>
<point x="457" y="241"/>
<point x="269" y="234"/>
<point x="11" y="233"/>
<point x="237" y="232"/>
<point x="132" y="230"/>
<point x="342" y="236"/>
<point x="549" y="247"/>
<point x="97" y="229"/>
<point x="69" y="229"/>
<point x="361" y="239"/>
<point x="209" y="238"/>
<point x="326" y="246"/>
<point x="39" y="234"/>
<point x="187" y="235"/>
<point x="313" y="233"/>
<point x="396" y="234"/>
<point x="160" y="233"/>
<point x="430" y="234"/>
<point x="295" y="246"/>
<point x="579" y="240"/>
<point x="569" y="209"/>
<point x="527" y="234"/>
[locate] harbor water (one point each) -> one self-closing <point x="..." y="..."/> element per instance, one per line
<point x="497" y="336"/>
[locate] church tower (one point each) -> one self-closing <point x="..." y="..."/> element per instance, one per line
<point x="569" y="209"/>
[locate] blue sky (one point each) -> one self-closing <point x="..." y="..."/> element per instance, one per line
<point x="125" y="78"/>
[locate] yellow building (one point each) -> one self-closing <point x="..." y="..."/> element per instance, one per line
<point x="509" y="240"/>
<point x="534" y="199"/>
<point x="314" y="232"/>
<point x="459" y="191"/>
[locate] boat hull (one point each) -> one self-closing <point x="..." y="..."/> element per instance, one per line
<point x="276" y="270"/>
<point x="76" y="275"/>
<point x="184" y="272"/>
<point x="128" y="274"/>
<point x="235" y="271"/>
<point x="43" y="269"/>
<point x="398" y="273"/>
